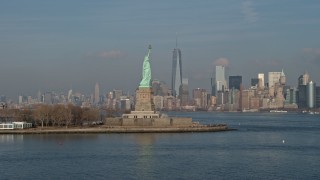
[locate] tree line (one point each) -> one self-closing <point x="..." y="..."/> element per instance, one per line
<point x="54" y="115"/>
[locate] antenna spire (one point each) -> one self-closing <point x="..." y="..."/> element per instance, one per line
<point x="176" y="40"/>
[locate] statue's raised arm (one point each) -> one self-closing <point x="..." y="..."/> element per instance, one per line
<point x="149" y="50"/>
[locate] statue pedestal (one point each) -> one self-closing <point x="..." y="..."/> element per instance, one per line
<point x="144" y="99"/>
<point x="144" y="108"/>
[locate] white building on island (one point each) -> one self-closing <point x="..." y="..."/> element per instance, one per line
<point x="15" y="125"/>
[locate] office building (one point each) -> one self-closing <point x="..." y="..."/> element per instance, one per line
<point x="318" y="96"/>
<point x="21" y="99"/>
<point x="222" y="97"/>
<point x="3" y="98"/>
<point x="274" y="79"/>
<point x="311" y="95"/>
<point x="220" y="83"/>
<point x="117" y="94"/>
<point x="176" y="71"/>
<point x="302" y="96"/>
<point x="304" y="79"/>
<point x="69" y="98"/>
<point x="200" y="98"/>
<point x="303" y="82"/>
<point x="261" y="81"/>
<point x="125" y="104"/>
<point x="159" y="88"/>
<point x="233" y="99"/>
<point x="48" y="98"/>
<point x="156" y="87"/>
<point x="158" y="102"/>
<point x="245" y="99"/>
<point x="235" y="82"/>
<point x="96" y="94"/>
<point x="255" y="82"/>
<point x="213" y="87"/>
<point x="282" y="78"/>
<point x="169" y="103"/>
<point x="184" y="92"/>
<point x="291" y="98"/>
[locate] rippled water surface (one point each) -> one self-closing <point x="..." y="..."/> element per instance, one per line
<point x="265" y="146"/>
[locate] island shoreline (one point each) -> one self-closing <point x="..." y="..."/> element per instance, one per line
<point x="112" y="129"/>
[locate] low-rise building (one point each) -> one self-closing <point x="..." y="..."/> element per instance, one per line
<point x="15" y="125"/>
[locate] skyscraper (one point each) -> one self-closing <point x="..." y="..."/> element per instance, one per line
<point x="213" y="86"/>
<point x="220" y="80"/>
<point x="274" y="78"/>
<point x="255" y="82"/>
<point x="303" y="79"/>
<point x="176" y="71"/>
<point x="261" y="80"/>
<point x="155" y="84"/>
<point x="200" y="98"/>
<point x="96" y="94"/>
<point x="302" y="96"/>
<point x="235" y="82"/>
<point x="282" y="78"/>
<point x="69" y="96"/>
<point x="291" y="96"/>
<point x="317" y="96"/>
<point x="311" y="94"/>
<point x="48" y="98"/>
<point x="184" y="92"/>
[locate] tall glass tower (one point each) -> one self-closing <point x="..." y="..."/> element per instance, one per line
<point x="176" y="71"/>
<point x="235" y="82"/>
<point x="311" y="96"/>
<point x="220" y="80"/>
<point x="96" y="94"/>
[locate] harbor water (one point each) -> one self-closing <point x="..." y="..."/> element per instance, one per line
<point x="264" y="146"/>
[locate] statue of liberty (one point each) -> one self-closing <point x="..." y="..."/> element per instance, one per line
<point x="146" y="71"/>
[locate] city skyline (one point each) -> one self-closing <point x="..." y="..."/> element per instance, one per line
<point x="71" y="45"/>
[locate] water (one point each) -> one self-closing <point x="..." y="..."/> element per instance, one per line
<point x="265" y="146"/>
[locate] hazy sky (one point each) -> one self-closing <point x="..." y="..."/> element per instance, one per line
<point x="61" y="44"/>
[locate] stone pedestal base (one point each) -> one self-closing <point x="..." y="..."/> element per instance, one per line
<point x="126" y="121"/>
<point x="144" y="99"/>
<point x="141" y="115"/>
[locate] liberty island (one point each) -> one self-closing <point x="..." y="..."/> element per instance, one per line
<point x="144" y="118"/>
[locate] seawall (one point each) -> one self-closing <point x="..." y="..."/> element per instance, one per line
<point x="119" y="129"/>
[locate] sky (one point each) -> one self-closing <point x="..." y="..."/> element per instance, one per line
<point x="72" y="44"/>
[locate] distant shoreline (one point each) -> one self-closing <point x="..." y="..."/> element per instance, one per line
<point x="118" y="129"/>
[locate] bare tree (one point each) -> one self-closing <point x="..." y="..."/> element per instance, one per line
<point x="39" y="116"/>
<point x="90" y="115"/>
<point x="94" y="114"/>
<point x="5" y="113"/>
<point x="24" y="115"/>
<point x="76" y="114"/>
<point x="58" y="113"/>
<point x="68" y="115"/>
<point x="47" y="110"/>
<point x="43" y="114"/>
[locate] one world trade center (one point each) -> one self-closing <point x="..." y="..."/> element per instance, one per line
<point x="176" y="72"/>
